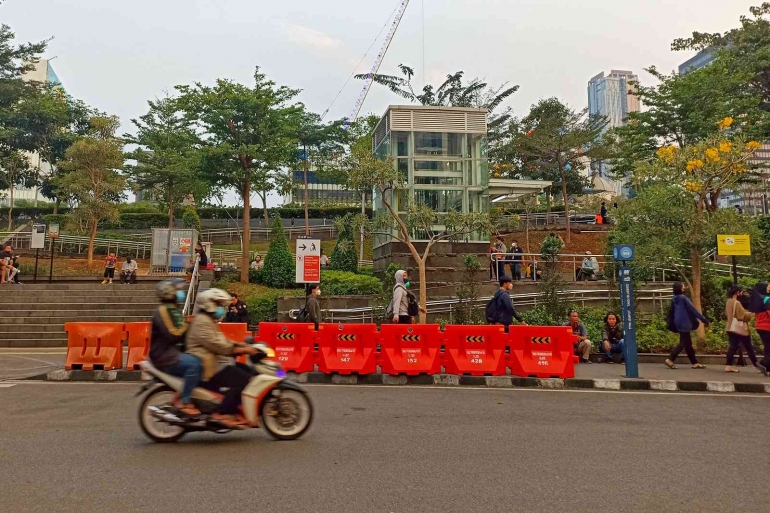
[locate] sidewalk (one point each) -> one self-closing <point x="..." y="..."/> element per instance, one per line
<point x="655" y="371"/>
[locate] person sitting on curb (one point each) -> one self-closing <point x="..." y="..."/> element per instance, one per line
<point x="612" y="338"/>
<point x="589" y="269"/>
<point x="237" y="312"/>
<point x="583" y="345"/>
<point x="128" y="271"/>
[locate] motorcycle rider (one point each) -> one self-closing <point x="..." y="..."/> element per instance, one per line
<point x="206" y="341"/>
<point x="167" y="341"/>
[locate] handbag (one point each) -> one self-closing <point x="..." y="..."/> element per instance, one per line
<point x="736" y="326"/>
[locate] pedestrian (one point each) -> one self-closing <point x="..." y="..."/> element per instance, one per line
<point x="683" y="318"/>
<point x="128" y="271"/>
<point x="583" y="346"/>
<point x="237" y="312"/>
<point x="201" y="257"/>
<point x="492" y="263"/>
<point x="738" y="333"/>
<point x="603" y="212"/>
<point x="257" y="264"/>
<point x="501" y="259"/>
<point x="324" y="260"/>
<point x="292" y="221"/>
<point x="517" y="260"/>
<point x="500" y="309"/>
<point x="10" y="268"/>
<point x="312" y="305"/>
<point x="109" y="268"/>
<point x="13" y="270"/>
<point x="612" y="338"/>
<point x="403" y="306"/>
<point x="760" y="304"/>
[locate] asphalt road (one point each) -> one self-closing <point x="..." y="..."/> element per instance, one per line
<point x="77" y="447"/>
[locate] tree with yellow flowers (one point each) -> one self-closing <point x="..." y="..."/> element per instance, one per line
<point x="676" y="216"/>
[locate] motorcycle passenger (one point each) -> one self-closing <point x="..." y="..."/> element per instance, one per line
<point x="167" y="341"/>
<point x="206" y="341"/>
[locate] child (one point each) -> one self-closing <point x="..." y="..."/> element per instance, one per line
<point x="109" y="269"/>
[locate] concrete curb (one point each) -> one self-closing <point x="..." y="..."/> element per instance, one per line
<point x="450" y="380"/>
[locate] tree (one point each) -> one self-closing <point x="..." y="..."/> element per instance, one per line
<point x="191" y="219"/>
<point x="167" y="156"/>
<point x="92" y="178"/>
<point x="454" y="93"/>
<point x="279" y="262"/>
<point x="675" y="217"/>
<point x="343" y="256"/>
<point x="14" y="170"/>
<point x="420" y="223"/>
<point x="553" y="142"/>
<point x="15" y="61"/>
<point x="245" y="131"/>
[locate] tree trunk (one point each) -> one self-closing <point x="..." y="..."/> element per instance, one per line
<point x="94" y="226"/>
<point x="307" y="217"/>
<point x="264" y="208"/>
<point x="246" y="232"/>
<point x="423" y="289"/>
<point x="566" y="205"/>
<point x="526" y="230"/>
<point x="695" y="264"/>
<point x="170" y="212"/>
<point x="548" y="207"/>
<point x="56" y="206"/>
<point x="10" y="204"/>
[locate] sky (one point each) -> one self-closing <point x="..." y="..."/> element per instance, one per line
<point x="117" y="55"/>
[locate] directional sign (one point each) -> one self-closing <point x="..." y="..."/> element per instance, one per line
<point x="285" y="336"/>
<point x="348" y="337"/>
<point x="474" y="338"/>
<point x="629" y="321"/>
<point x="734" y="245"/>
<point x="308" y="257"/>
<point x="410" y="338"/>
<point x="623" y="253"/>
<point x="541" y="340"/>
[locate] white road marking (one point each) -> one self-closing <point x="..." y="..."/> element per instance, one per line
<point x="7" y="385"/>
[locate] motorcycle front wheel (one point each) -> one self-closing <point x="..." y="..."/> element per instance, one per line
<point x="155" y="429"/>
<point x="287" y="415"/>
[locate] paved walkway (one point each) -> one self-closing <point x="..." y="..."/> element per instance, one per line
<point x="683" y="373"/>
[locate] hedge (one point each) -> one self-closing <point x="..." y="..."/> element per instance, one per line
<point x="341" y="283"/>
<point x="331" y="212"/>
<point x="128" y="221"/>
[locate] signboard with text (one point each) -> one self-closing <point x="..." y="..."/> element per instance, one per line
<point x="629" y="321"/>
<point x="308" y="257"/>
<point x="38" y="237"/>
<point x="53" y="230"/>
<point x="734" y="245"/>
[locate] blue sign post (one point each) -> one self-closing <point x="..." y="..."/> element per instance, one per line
<point x="625" y="254"/>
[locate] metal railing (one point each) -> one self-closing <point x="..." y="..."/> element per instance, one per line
<point x="447" y="306"/>
<point x="192" y="289"/>
<point x="235" y="234"/>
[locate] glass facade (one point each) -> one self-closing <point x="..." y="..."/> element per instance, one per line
<point x="445" y="171"/>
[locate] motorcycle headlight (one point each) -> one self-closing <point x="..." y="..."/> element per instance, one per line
<point x="280" y="373"/>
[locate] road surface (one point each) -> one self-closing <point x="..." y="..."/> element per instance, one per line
<point x="77" y="447"/>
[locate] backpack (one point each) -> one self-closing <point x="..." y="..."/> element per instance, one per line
<point x="303" y="314"/>
<point x="491" y="310"/>
<point x="670" y="324"/>
<point x="412" y="306"/>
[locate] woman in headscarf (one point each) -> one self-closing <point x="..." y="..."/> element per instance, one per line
<point x="760" y="304"/>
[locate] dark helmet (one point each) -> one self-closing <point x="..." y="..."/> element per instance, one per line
<point x="166" y="290"/>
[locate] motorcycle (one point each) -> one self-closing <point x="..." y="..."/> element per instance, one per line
<point x="271" y="401"/>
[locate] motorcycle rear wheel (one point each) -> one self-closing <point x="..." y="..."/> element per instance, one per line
<point x="292" y="419"/>
<point x="155" y="429"/>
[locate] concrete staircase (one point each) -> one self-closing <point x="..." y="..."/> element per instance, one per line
<point x="33" y="315"/>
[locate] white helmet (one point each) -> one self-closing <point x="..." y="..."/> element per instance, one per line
<point x="208" y="300"/>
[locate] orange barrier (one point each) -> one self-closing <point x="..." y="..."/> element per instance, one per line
<point x="94" y="345"/>
<point x="475" y="350"/>
<point x="292" y="342"/>
<point x="347" y="348"/>
<point x="237" y="332"/>
<point x="542" y="351"/>
<point x="138" y="334"/>
<point x="410" y="349"/>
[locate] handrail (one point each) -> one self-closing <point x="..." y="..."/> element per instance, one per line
<point x="192" y="288"/>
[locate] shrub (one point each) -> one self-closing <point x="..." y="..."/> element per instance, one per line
<point x="257" y="276"/>
<point x="190" y="218"/>
<point x="344" y="256"/>
<point x="341" y="283"/>
<point x="279" y="269"/>
<point x="467" y="311"/>
<point x="61" y="219"/>
<point x="263" y="307"/>
<point x="140" y="207"/>
<point x="137" y="221"/>
<point x="366" y="271"/>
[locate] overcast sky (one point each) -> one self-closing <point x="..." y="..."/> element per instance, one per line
<point x="116" y="55"/>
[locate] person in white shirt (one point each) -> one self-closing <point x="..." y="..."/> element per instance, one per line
<point x="128" y="271"/>
<point x="324" y="260"/>
<point x="257" y="263"/>
<point x="589" y="269"/>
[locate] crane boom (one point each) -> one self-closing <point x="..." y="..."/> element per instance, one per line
<point x="377" y="62"/>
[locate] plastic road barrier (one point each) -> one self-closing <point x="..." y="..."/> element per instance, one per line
<point x="94" y="345"/>
<point x="347" y="348"/>
<point x="410" y="349"/>
<point x="293" y="344"/>
<point x="138" y="334"/>
<point x="542" y="351"/>
<point x="475" y="350"/>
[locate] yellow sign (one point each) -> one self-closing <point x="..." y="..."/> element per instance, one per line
<point x="734" y="245"/>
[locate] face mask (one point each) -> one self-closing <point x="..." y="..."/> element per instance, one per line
<point x="220" y="312"/>
<point x="181" y="295"/>
<point x="318" y="292"/>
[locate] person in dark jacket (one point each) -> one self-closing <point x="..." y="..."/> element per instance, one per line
<point x="237" y="312"/>
<point x="684" y="319"/>
<point x="167" y="343"/>
<point x="603" y="212"/>
<point x="612" y="338"/>
<point x="312" y="305"/>
<point x="760" y="305"/>
<point x="502" y="305"/>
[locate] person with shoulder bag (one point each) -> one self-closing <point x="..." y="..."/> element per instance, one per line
<point x="403" y="306"/>
<point x="683" y="318"/>
<point x="738" y="329"/>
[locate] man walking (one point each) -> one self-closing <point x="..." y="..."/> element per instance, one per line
<point x="501" y="259"/>
<point x="500" y="309"/>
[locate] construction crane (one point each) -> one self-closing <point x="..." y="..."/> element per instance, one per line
<point x="377" y="62"/>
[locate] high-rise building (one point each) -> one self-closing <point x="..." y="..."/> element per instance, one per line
<point x="703" y="58"/>
<point x="611" y="96"/>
